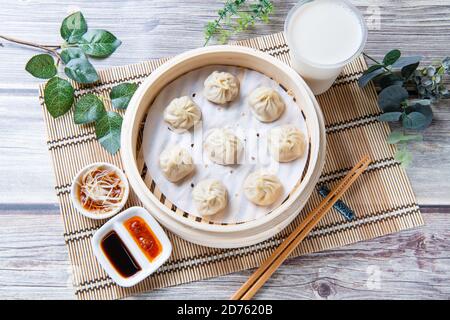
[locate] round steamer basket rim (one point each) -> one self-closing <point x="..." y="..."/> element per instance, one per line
<point x="161" y="74"/>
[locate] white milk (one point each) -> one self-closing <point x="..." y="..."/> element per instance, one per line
<point x="323" y="36"/>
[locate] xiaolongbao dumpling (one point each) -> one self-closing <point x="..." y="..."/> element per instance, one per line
<point x="176" y="163"/>
<point x="286" y="143"/>
<point x="262" y="188"/>
<point x="210" y="196"/>
<point x="266" y="104"/>
<point x="221" y="87"/>
<point x="223" y="147"/>
<point x="182" y="113"/>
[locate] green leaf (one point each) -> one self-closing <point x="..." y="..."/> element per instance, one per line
<point x="389" y="79"/>
<point x="422" y="102"/>
<point x="58" y="96"/>
<point x="41" y="66"/>
<point x="414" y="120"/>
<point x="367" y="77"/>
<point x="408" y="71"/>
<point x="391" y="57"/>
<point x="392" y="96"/>
<point x="107" y="129"/>
<point x="390" y="116"/>
<point x="373" y="68"/>
<point x="73" y="27"/>
<point x="405" y="61"/>
<point x="426" y="111"/>
<point x="99" y="43"/>
<point x="88" y="108"/>
<point x="404" y="157"/>
<point x="399" y="137"/>
<point x="81" y="70"/>
<point x="121" y="95"/>
<point x="71" y="53"/>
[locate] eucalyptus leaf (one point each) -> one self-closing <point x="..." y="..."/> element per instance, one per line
<point x="41" y="66"/>
<point x="422" y="102"/>
<point x="81" y="70"/>
<point x="413" y="120"/>
<point x="99" y="43"/>
<point x="404" y="157"/>
<point x="408" y="71"/>
<point x="367" y="77"/>
<point x="392" y="96"/>
<point x="88" y="108"/>
<point x="107" y="129"/>
<point x="390" y="116"/>
<point x="393" y="109"/>
<point x="426" y="111"/>
<point x="405" y="61"/>
<point x="72" y="53"/>
<point x="373" y="68"/>
<point x="73" y="27"/>
<point x="58" y="96"/>
<point x="391" y="57"/>
<point x="388" y="80"/>
<point x="399" y="137"/>
<point x="121" y="95"/>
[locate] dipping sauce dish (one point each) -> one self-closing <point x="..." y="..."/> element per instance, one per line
<point x="131" y="246"/>
<point x="99" y="190"/>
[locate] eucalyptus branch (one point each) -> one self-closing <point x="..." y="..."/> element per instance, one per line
<point x="374" y="60"/>
<point x="78" y="44"/>
<point x="48" y="48"/>
<point x="394" y="76"/>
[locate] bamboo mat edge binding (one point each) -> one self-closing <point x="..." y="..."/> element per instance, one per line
<point x="383" y="198"/>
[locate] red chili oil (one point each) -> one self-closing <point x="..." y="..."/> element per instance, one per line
<point x="119" y="255"/>
<point x="144" y="237"/>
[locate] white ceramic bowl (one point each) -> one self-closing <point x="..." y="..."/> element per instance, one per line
<point x="147" y="267"/>
<point x="76" y="201"/>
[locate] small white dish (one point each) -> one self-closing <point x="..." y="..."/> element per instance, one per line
<point x="76" y="200"/>
<point x="147" y="267"/>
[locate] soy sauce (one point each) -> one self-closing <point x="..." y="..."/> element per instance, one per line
<point x="118" y="255"/>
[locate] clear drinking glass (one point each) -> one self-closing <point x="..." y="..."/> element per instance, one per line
<point x="320" y="75"/>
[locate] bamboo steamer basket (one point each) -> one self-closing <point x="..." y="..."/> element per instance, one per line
<point x="200" y="230"/>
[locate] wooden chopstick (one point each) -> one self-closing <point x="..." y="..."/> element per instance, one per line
<point x="270" y="265"/>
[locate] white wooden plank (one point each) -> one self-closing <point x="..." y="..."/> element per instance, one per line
<point x="151" y="29"/>
<point x="407" y="265"/>
<point x="25" y="163"/>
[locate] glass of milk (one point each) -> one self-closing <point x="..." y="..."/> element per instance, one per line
<point x="323" y="36"/>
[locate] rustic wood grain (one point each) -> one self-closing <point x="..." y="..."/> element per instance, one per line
<point x="410" y="264"/>
<point x="33" y="258"/>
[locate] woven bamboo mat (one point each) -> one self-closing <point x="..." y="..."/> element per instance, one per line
<point x="382" y="197"/>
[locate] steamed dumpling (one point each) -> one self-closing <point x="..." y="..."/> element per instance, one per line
<point x="182" y="113"/>
<point x="210" y="196"/>
<point x="223" y="147"/>
<point x="262" y="188"/>
<point x="266" y="104"/>
<point x="286" y="143"/>
<point x="176" y="163"/>
<point x="221" y="87"/>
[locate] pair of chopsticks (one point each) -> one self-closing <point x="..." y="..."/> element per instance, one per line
<point x="263" y="273"/>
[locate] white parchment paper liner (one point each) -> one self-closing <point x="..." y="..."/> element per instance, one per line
<point x="235" y="116"/>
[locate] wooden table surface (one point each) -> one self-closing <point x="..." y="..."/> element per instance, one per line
<point x="33" y="258"/>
